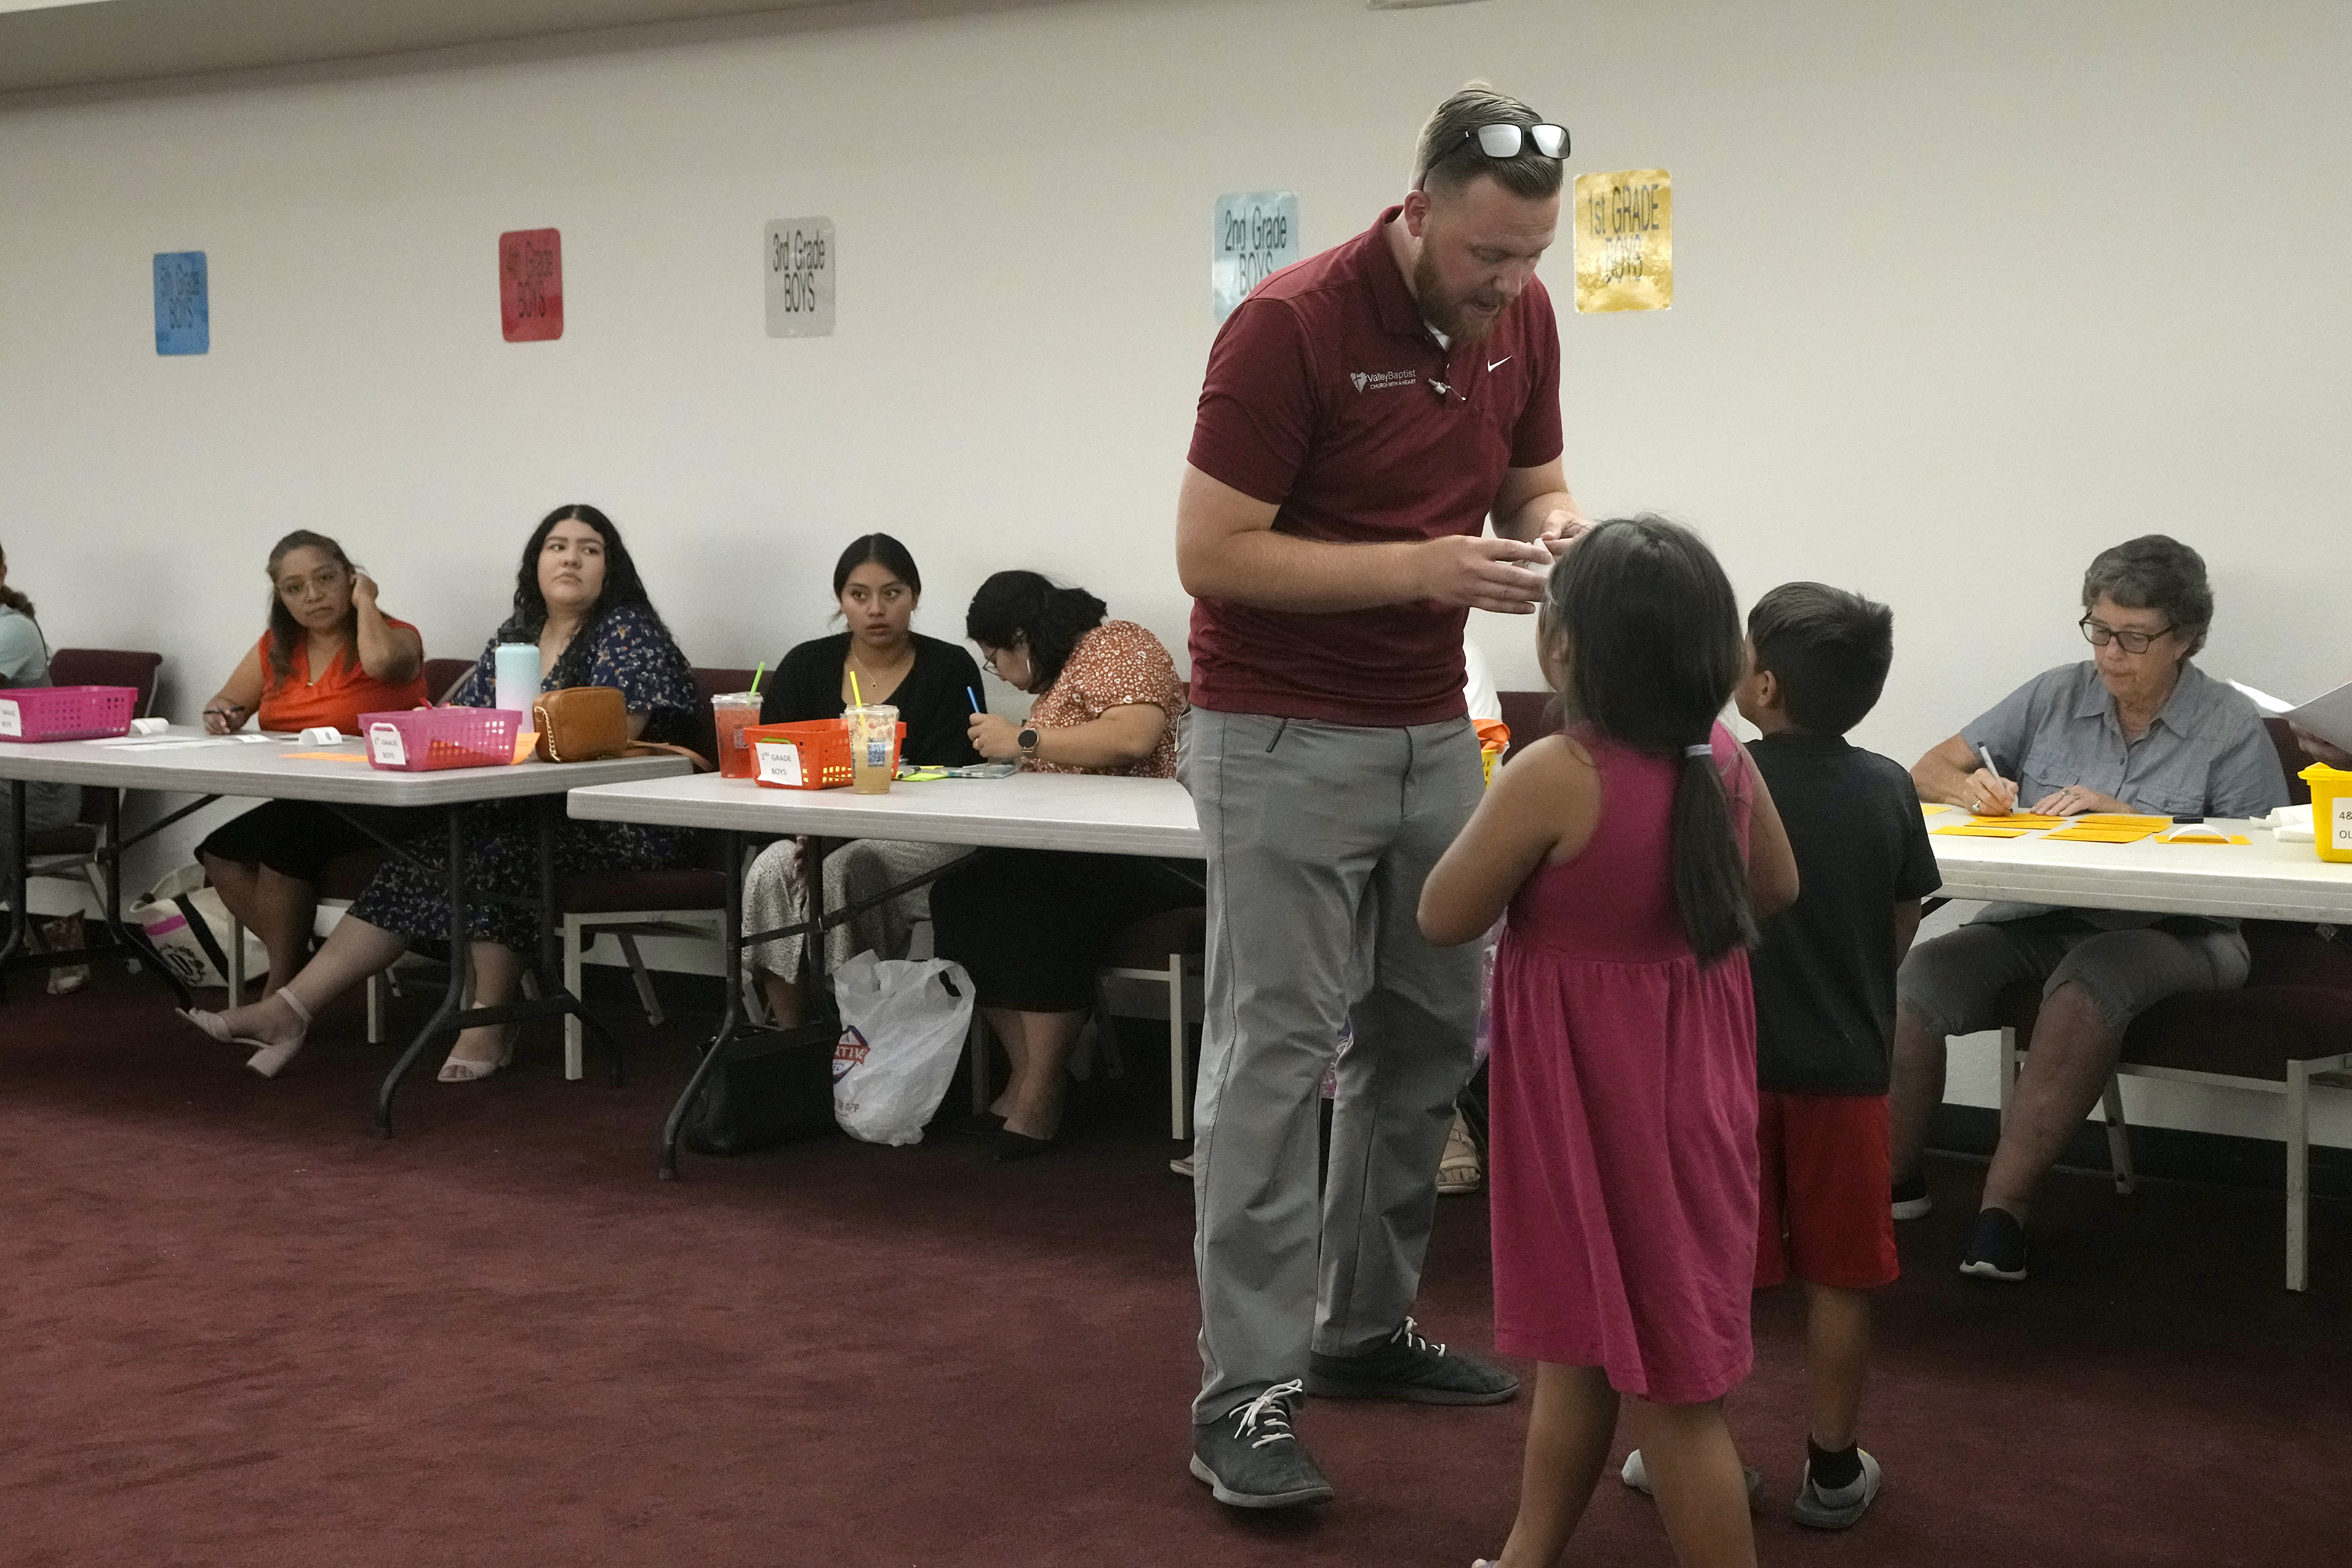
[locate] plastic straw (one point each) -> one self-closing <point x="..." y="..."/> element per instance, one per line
<point x="755" y="677"/>
<point x="854" y="696"/>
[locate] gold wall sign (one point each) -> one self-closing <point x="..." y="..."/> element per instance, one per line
<point x="1625" y="241"/>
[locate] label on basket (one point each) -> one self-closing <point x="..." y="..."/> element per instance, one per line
<point x="12" y="718"/>
<point x="2339" y="821"/>
<point x="386" y="746"/>
<point x="780" y="763"/>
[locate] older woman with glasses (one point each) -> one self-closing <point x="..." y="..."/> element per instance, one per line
<point x="2135" y="728"/>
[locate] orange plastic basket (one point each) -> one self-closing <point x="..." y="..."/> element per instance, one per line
<point x="811" y="754"/>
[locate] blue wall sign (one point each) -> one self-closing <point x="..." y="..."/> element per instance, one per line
<point x="182" y="311"/>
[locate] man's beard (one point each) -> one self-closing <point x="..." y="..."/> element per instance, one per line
<point x="1442" y="310"/>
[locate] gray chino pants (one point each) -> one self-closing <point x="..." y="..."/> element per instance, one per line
<point x="1318" y="838"/>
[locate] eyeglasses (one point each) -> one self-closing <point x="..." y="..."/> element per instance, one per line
<point x="1505" y="140"/>
<point x="2100" y="635"/>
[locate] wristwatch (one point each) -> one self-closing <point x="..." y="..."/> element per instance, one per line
<point x="1027" y="740"/>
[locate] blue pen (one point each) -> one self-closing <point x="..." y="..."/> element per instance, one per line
<point x="967" y="691"/>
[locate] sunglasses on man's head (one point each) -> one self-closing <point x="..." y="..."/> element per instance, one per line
<point x="1507" y="140"/>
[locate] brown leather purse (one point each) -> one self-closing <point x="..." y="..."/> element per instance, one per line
<point x="590" y="723"/>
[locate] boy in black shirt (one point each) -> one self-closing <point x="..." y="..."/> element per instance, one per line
<point x="1824" y="980"/>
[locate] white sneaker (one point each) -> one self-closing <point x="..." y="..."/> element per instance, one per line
<point x="1826" y="1510"/>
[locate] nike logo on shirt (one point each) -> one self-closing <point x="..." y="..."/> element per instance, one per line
<point x="1500" y="363"/>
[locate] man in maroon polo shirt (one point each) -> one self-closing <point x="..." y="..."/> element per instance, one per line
<point x="1365" y="412"/>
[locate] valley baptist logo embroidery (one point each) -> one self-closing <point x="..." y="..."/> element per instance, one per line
<point x="1382" y="380"/>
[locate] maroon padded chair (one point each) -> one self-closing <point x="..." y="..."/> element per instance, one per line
<point x="1529" y="716"/>
<point x="441" y="675"/>
<point x="626" y="905"/>
<point x="2288" y="1029"/>
<point x="76" y="842"/>
<point x="2292" y="758"/>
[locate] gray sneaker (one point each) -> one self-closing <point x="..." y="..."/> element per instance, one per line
<point x="1637" y="1475"/>
<point x="1251" y="1459"/>
<point x="1826" y="1510"/>
<point x="1411" y="1368"/>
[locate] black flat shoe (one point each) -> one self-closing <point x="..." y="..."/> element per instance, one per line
<point x="978" y="1125"/>
<point x="1011" y="1145"/>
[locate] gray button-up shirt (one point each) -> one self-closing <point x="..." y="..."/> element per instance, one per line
<point x="2206" y="754"/>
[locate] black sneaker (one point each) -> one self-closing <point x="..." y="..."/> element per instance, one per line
<point x="1409" y="1367"/>
<point x="1997" y="1250"/>
<point x="1251" y="1459"/>
<point x="1911" y="1200"/>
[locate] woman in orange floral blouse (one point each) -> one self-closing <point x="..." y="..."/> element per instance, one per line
<point x="1033" y="925"/>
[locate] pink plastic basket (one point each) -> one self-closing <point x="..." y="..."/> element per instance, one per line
<point x="66" y="712"/>
<point x="425" y="739"/>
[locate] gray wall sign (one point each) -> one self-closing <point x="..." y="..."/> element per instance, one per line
<point x="1256" y="233"/>
<point x="802" y="268"/>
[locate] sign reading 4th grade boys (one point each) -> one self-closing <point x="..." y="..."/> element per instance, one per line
<point x="1257" y="236"/>
<point x="802" y="267"/>
<point x="184" y="318"/>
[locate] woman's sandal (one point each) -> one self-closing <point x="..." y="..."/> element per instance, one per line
<point x="1460" y="1172"/>
<point x="267" y="1058"/>
<point x="461" y="1070"/>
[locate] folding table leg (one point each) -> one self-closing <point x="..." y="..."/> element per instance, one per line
<point x="15" y="941"/>
<point x="2007" y="1072"/>
<point x="2119" y="1155"/>
<point x="730" y="944"/>
<point x="452" y="998"/>
<point x="2298" y="1176"/>
<point x="976" y="1043"/>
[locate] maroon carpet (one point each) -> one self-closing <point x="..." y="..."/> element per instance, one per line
<point x="243" y="1331"/>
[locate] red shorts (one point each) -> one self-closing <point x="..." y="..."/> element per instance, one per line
<point x="1822" y="1210"/>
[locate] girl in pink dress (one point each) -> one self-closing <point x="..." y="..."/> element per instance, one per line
<point x="1636" y="851"/>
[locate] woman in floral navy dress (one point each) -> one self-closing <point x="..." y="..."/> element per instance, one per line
<point x="579" y="598"/>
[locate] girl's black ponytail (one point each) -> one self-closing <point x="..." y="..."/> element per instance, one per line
<point x="1653" y="643"/>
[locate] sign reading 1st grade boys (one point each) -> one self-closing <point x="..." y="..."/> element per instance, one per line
<point x="1257" y="236"/>
<point x="802" y="268"/>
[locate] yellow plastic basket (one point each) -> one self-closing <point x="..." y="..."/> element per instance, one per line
<point x="2331" y="810"/>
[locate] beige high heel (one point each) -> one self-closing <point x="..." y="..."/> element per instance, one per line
<point x="459" y="1070"/>
<point x="270" y="1060"/>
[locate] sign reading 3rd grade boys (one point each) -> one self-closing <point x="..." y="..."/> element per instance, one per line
<point x="1257" y="236"/>
<point x="1625" y="241"/>
<point x="802" y="269"/>
<point x="531" y="285"/>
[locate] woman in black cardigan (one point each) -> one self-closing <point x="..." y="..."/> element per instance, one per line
<point x="935" y="686"/>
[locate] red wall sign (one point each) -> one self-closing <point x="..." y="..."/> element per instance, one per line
<point x="531" y="285"/>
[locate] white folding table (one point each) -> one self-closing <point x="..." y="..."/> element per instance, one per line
<point x="1085" y="812"/>
<point x="188" y="760"/>
<point x="2264" y="879"/>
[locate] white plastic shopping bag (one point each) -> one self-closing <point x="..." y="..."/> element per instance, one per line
<point x="166" y="914"/>
<point x="903" y="1023"/>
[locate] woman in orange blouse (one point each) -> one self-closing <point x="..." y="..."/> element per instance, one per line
<point x="330" y="654"/>
<point x="1033" y="926"/>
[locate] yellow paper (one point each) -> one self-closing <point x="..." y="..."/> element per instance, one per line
<point x="2121" y="819"/>
<point x="526" y="743"/>
<point x="1624" y="241"/>
<point x="2021" y="819"/>
<point x="1971" y="830"/>
<point x="2103" y="835"/>
<point x="1933" y="810"/>
<point x="2195" y="837"/>
<point x="324" y="756"/>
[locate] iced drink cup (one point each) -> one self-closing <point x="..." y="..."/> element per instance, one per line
<point x="731" y="712"/>
<point x="872" y="747"/>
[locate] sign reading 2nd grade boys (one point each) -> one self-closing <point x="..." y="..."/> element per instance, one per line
<point x="1625" y="241"/>
<point x="531" y="285"/>
<point x="1257" y="236"/>
<point x="184" y="318"/>
<point x="802" y="268"/>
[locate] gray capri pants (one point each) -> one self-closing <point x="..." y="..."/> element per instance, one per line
<point x="1948" y="985"/>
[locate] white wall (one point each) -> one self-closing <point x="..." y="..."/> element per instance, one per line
<point x="1965" y="294"/>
